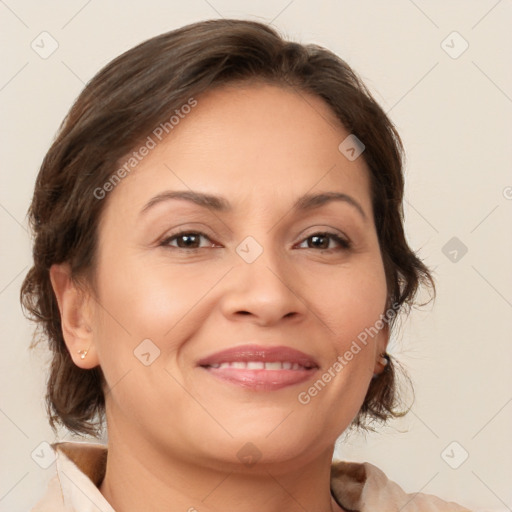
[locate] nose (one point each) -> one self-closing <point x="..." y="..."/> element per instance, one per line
<point x="263" y="292"/>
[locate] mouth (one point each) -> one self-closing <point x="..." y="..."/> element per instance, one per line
<point x="259" y="367"/>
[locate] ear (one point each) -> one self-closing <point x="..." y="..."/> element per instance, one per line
<point x="76" y="316"/>
<point x="381" y="345"/>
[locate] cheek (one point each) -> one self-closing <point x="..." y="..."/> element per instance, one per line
<point x="350" y="302"/>
<point x="350" y="299"/>
<point x="153" y="302"/>
<point x="140" y="303"/>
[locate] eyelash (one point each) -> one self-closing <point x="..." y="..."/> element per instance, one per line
<point x="344" y="244"/>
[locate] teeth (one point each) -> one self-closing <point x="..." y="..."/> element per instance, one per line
<point x="274" y="366"/>
<point x="255" y="365"/>
<point x="260" y="365"/>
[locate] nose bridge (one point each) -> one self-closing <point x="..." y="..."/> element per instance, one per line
<point x="262" y="282"/>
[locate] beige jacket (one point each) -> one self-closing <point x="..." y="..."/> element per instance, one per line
<point x="80" y="468"/>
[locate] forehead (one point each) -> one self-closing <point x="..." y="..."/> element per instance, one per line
<point x="256" y="144"/>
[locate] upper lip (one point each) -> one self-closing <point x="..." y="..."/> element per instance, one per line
<point x="246" y="353"/>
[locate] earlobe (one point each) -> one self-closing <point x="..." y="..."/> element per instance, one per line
<point x="382" y="358"/>
<point x="76" y="317"/>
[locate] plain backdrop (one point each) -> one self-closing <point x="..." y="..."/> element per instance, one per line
<point x="441" y="69"/>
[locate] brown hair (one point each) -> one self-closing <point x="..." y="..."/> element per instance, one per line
<point x="122" y="104"/>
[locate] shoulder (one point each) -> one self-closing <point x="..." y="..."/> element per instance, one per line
<point x="364" y="487"/>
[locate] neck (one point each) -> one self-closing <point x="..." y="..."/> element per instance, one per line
<point x="140" y="477"/>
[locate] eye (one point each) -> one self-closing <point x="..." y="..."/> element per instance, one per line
<point x="192" y="240"/>
<point x="186" y="240"/>
<point x="323" y="240"/>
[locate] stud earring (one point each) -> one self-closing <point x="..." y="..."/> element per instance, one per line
<point x="383" y="360"/>
<point x="83" y="353"/>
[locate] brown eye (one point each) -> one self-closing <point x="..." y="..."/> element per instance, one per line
<point x="323" y="241"/>
<point x="185" y="240"/>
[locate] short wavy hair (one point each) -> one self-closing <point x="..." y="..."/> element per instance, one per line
<point x="121" y="105"/>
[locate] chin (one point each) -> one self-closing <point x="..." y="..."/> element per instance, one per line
<point x="270" y="446"/>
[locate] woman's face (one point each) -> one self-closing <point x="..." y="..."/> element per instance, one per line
<point x="253" y="272"/>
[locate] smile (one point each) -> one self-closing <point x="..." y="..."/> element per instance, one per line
<point x="261" y="365"/>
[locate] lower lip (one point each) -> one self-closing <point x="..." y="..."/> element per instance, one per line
<point x="261" y="380"/>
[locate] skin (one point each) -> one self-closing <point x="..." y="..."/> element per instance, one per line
<point x="175" y="430"/>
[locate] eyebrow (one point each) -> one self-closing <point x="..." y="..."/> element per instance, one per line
<point x="221" y="204"/>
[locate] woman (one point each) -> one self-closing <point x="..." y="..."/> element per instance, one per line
<point x="219" y="259"/>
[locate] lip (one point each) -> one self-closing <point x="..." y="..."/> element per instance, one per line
<point x="260" y="379"/>
<point x="245" y="353"/>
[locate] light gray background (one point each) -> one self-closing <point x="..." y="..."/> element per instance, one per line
<point x="454" y="115"/>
